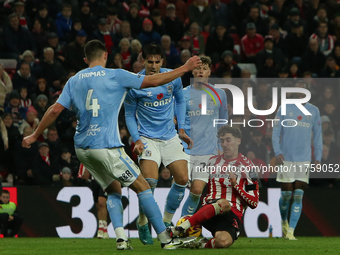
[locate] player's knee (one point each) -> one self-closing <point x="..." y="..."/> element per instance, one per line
<point x="223" y="242"/>
<point x="224" y="204"/>
<point x="196" y="190"/>
<point x="182" y="180"/>
<point x="101" y="202"/>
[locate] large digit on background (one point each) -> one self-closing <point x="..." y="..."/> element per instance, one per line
<point x="81" y="211"/>
<point x="94" y="106"/>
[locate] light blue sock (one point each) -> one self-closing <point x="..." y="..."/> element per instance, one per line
<point x="115" y="208"/>
<point x="153" y="184"/>
<point x="151" y="210"/>
<point x="296" y="209"/>
<point x="284" y="203"/>
<point x="174" y="197"/>
<point x="191" y="204"/>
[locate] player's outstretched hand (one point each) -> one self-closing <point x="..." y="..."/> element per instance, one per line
<point x="193" y="63"/>
<point x="28" y="140"/>
<point x="186" y="138"/>
<point x="279" y="159"/>
<point x="139" y="147"/>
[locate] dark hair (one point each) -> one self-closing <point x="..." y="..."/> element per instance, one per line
<point x="94" y="50"/>
<point x="5" y="191"/>
<point x="155" y="13"/>
<point x="25" y="63"/>
<point x="152" y="49"/>
<point x="66" y="6"/>
<point x="52" y="128"/>
<point x="235" y="131"/>
<point x="322" y="22"/>
<point x="112" y="11"/>
<point x="206" y="60"/>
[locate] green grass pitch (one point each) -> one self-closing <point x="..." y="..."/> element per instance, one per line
<point x="272" y="246"/>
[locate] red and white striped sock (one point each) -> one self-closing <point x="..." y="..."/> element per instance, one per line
<point x="210" y="244"/>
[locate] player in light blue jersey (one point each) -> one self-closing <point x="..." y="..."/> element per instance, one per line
<point x="201" y="130"/>
<point x="149" y="117"/>
<point x="292" y="147"/>
<point x="96" y="94"/>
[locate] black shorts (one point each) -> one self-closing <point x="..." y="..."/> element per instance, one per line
<point x="97" y="191"/>
<point x="224" y="222"/>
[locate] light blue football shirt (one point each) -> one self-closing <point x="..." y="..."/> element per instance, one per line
<point x="97" y="94"/>
<point x="150" y="112"/>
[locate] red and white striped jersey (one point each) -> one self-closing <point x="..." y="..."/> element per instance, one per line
<point x="219" y="183"/>
<point x="81" y="171"/>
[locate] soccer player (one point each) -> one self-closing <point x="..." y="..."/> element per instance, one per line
<point x="201" y="130"/>
<point x="96" y="94"/>
<point x="230" y="191"/>
<point x="292" y="147"/>
<point x="149" y="115"/>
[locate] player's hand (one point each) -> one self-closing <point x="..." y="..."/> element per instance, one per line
<point x="28" y="140"/>
<point x="193" y="63"/>
<point x="186" y="138"/>
<point x="139" y="147"/>
<point x="10" y="218"/>
<point x="232" y="178"/>
<point x="279" y="159"/>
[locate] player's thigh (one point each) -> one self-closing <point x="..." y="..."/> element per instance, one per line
<point x="223" y="239"/>
<point x="114" y="187"/>
<point x="179" y="171"/>
<point x="102" y="202"/>
<point x="299" y="185"/>
<point x="286" y="173"/>
<point x="149" y="168"/>
<point x="151" y="151"/>
<point x="172" y="151"/>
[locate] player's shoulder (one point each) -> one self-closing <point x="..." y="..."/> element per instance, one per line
<point x="312" y="107"/>
<point x="215" y="159"/>
<point x="244" y="160"/>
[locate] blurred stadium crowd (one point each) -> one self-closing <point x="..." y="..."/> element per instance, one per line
<point x="42" y="42"/>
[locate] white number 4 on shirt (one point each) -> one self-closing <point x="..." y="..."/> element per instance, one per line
<point x="94" y="106"/>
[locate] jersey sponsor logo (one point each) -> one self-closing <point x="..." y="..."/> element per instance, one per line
<point x="126" y="176"/>
<point x="149" y="94"/>
<point x="297" y="123"/>
<point x="93" y="130"/>
<point x="90" y="74"/>
<point x="158" y="103"/>
<point x="169" y="89"/>
<point x="198" y="113"/>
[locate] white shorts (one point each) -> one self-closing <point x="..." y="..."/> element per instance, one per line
<point x="294" y="171"/>
<point x="196" y="167"/>
<point x="107" y="165"/>
<point x="163" y="151"/>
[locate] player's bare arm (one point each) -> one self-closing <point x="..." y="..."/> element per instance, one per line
<point x="49" y="117"/>
<point x="163" y="78"/>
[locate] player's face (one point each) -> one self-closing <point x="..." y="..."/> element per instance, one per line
<point x="229" y="145"/>
<point x="5" y="198"/>
<point x="153" y="64"/>
<point x="203" y="71"/>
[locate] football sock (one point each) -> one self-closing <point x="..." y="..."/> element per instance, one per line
<point x="115" y="209"/>
<point x="142" y="219"/>
<point x="191" y="204"/>
<point x="173" y="201"/>
<point x="284" y="204"/>
<point x="203" y="214"/>
<point x="210" y="244"/>
<point x="151" y="210"/>
<point x="296" y="209"/>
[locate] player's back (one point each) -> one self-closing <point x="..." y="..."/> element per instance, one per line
<point x="97" y="97"/>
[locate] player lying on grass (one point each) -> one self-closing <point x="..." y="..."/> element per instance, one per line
<point x="230" y="191"/>
<point x="96" y="94"/>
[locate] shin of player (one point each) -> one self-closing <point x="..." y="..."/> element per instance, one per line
<point x="200" y="129"/>
<point x="228" y="193"/>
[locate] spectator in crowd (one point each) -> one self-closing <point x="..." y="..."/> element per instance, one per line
<point x="185" y="43"/>
<point x="257" y="145"/>
<point x="173" y="25"/>
<point x="278" y="37"/>
<point x="53" y="42"/>
<point x="262" y="96"/>
<point x="118" y="6"/>
<point x="64" y="22"/>
<point x="75" y="52"/>
<point x="9" y="218"/>
<point x="180" y="7"/>
<point x="124" y="46"/>
<point x="227" y="64"/>
<point x="19" y="9"/>
<point x="326" y="123"/>
<point x="269" y="68"/>
<point x="240" y="9"/>
<point x="327" y="96"/>
<point x="200" y="12"/>
<point x="47" y="23"/>
<point x="24" y="78"/>
<point x="54" y="143"/>
<point x="296" y="41"/>
<point x="329" y="110"/>
<point x="25" y="100"/>
<point x="255" y="18"/>
<point x="105" y="36"/>
<point x="336" y="54"/>
<point x="69" y="161"/>
<point x="28" y="57"/>
<point x="294" y="19"/>
<point x="17" y="38"/>
<point x="148" y="36"/>
<point x="196" y="39"/>
<point x="328" y="141"/>
<point x="17" y="112"/>
<point x="53" y="71"/>
<point x="31" y="121"/>
<point x="117" y="62"/>
<point x="3" y="141"/>
<point x="171" y="53"/>
<point x="251" y="43"/>
<point x="218" y="42"/>
<point x="221" y="14"/>
<point x="76" y="27"/>
<point x="42" y="102"/>
<point x="134" y="19"/>
<point x="294" y="71"/>
<point x="113" y="21"/>
<point x="321" y="16"/>
<point x="45" y="168"/>
<point x="331" y="69"/>
<point x="39" y="37"/>
<point x="66" y="178"/>
<point x="158" y="24"/>
<point x="325" y="40"/>
<point x="269" y="50"/>
<point x="185" y="55"/>
<point x="313" y="60"/>
<point x="125" y="31"/>
<point x="6" y="86"/>
<point x="88" y="21"/>
<point x="165" y="179"/>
